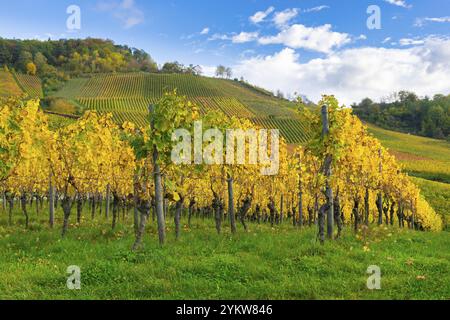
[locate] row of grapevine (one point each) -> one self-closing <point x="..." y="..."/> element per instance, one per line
<point x="135" y="110"/>
<point x="132" y="109"/>
<point x="294" y="131"/>
<point x="265" y="109"/>
<point x="233" y="108"/>
<point x="31" y="85"/>
<point x="145" y="85"/>
<point x="229" y="106"/>
<point x="135" y="85"/>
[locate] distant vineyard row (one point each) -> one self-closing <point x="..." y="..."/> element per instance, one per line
<point x="30" y="84"/>
<point x="293" y="130"/>
<point x="135" y="110"/>
<point x="146" y="85"/>
<point x="139" y="85"/>
<point x="13" y="85"/>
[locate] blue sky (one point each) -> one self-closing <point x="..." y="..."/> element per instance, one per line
<point x="305" y="46"/>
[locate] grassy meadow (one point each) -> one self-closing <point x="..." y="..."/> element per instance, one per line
<point x="265" y="263"/>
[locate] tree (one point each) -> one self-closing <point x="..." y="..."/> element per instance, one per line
<point x="23" y="59"/>
<point x="280" y="94"/>
<point x="172" y="67"/>
<point x="31" y="68"/>
<point x="220" y="71"/>
<point x="228" y="73"/>
<point x="408" y="113"/>
<point x="41" y="62"/>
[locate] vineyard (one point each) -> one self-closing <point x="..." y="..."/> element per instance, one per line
<point x="127" y="97"/>
<point x="292" y="130"/>
<point x="225" y="159"/>
<point x="31" y="85"/>
<point x="15" y="85"/>
<point x="117" y="184"/>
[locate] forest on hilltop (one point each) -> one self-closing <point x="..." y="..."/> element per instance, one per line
<point x="409" y="113"/>
<point x="55" y="61"/>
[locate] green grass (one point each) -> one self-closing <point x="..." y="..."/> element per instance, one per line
<point x="422" y="157"/>
<point x="8" y="86"/>
<point x="71" y="89"/>
<point x="265" y="263"/>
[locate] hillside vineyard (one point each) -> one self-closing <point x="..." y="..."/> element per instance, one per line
<point x="127" y="97"/>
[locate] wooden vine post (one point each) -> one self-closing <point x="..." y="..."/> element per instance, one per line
<point x="327" y="209"/>
<point x="51" y="201"/>
<point x="159" y="201"/>
<point x="380" y="195"/>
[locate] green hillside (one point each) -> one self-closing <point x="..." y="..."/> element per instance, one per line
<point x="128" y="95"/>
<point x="422" y="157"/>
<point x="8" y="86"/>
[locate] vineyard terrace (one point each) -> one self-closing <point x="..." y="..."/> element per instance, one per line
<point x="209" y="147"/>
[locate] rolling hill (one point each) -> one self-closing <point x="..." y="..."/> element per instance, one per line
<point x="128" y="95"/>
<point x="421" y="157"/>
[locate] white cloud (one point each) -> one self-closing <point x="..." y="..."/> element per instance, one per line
<point x="260" y="16"/>
<point x="204" y="31"/>
<point x="411" y="42"/>
<point x="362" y="37"/>
<point x="354" y="74"/>
<point x="316" y="9"/>
<point x="441" y="19"/>
<point x="126" y="11"/>
<point x="386" y="40"/>
<point x="281" y="19"/>
<point x="297" y="36"/>
<point x="399" y="3"/>
<point x="244" y="37"/>
<point x="420" y="22"/>
<point x="208" y="71"/>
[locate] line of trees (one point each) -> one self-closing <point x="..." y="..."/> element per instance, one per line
<point x="177" y="67"/>
<point x="224" y="72"/>
<point x="409" y="113"/>
<point x="74" y="56"/>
